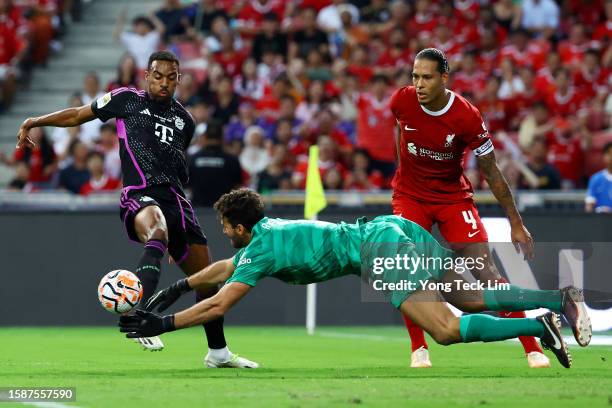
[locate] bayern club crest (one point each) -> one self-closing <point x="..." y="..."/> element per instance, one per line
<point x="179" y="123"/>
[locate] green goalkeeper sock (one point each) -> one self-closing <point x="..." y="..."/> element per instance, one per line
<point x="482" y="327"/>
<point x="517" y="299"/>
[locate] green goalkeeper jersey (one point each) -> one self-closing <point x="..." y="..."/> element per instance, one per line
<point x="302" y="252"/>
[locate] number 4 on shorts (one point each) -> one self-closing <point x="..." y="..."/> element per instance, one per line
<point x="469" y="218"/>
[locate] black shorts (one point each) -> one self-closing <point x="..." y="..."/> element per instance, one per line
<point x="183" y="226"/>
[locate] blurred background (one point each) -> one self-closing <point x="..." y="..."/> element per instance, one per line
<point x="265" y="79"/>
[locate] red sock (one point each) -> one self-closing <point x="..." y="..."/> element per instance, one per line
<point x="417" y="335"/>
<point x="529" y="342"/>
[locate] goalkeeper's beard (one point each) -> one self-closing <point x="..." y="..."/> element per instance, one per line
<point x="238" y="242"/>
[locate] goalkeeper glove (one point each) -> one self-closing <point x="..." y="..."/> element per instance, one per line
<point x="145" y="324"/>
<point x="165" y="298"/>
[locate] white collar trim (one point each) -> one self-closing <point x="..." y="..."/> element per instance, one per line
<point x="443" y="110"/>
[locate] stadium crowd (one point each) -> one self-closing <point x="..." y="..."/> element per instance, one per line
<point x="265" y="79"/>
<point x="29" y="31"/>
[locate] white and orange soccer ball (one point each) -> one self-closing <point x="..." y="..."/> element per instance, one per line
<point x="119" y="291"/>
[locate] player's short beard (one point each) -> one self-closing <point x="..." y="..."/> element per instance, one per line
<point x="238" y="243"/>
<point x="162" y="99"/>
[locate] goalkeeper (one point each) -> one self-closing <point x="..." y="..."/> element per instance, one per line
<point x="302" y="252"/>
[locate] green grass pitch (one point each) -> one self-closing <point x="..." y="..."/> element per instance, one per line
<point x="344" y="367"/>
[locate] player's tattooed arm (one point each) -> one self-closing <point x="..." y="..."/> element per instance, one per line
<point x="213" y="307"/>
<point x="500" y="189"/>
<point x="65" y="118"/>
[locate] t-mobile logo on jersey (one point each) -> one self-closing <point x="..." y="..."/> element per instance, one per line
<point x="165" y="134"/>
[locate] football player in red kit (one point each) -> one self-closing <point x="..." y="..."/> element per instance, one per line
<point x="437" y="126"/>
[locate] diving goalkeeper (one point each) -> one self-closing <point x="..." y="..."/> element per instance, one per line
<point x="302" y="252"/>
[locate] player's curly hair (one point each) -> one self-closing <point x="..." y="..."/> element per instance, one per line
<point x="241" y="206"/>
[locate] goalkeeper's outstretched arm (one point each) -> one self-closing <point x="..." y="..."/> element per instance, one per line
<point x="213" y="307"/>
<point x="211" y="276"/>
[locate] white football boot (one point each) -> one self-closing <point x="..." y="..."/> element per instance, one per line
<point x="535" y="359"/>
<point x="235" y="361"/>
<point x="150" y="343"/>
<point x="420" y="358"/>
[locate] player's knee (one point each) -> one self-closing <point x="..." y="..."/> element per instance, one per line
<point x="157" y="228"/>
<point x="444" y="334"/>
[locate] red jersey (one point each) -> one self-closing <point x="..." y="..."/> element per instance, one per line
<point x="432" y="147"/>
<point x="104" y="184"/>
<point x="564" y="105"/>
<point x="231" y="63"/>
<point x="566" y="155"/>
<point x="376" y="127"/>
<point x="9" y="42"/>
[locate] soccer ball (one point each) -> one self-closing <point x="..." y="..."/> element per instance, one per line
<point x="119" y="291"/>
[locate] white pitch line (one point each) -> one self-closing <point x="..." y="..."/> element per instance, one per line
<point x="49" y="404"/>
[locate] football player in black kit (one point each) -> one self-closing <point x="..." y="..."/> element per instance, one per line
<point x="154" y="132"/>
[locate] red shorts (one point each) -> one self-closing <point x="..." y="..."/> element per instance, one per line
<point x="459" y="223"/>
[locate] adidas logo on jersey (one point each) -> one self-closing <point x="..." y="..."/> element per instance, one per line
<point x="146" y="112"/>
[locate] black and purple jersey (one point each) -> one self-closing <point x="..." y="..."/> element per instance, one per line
<point x="153" y="137"/>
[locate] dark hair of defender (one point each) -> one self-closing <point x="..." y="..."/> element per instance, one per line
<point x="241" y="206"/>
<point x="162" y="56"/>
<point x="434" y="54"/>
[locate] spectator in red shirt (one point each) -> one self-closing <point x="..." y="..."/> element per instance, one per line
<point x="360" y="66"/>
<point x="545" y="80"/>
<point x="572" y="50"/>
<point x="488" y="52"/>
<point x="99" y="180"/>
<point x="376" y="126"/>
<point x="566" y="100"/>
<point x="362" y="177"/>
<point x="41" y="159"/>
<point x="252" y="15"/>
<point x="522" y="51"/>
<point x="327" y="162"/>
<point x="230" y="59"/>
<point x="269" y="105"/>
<point x="11" y="52"/>
<point x="470" y="81"/>
<point x="566" y="152"/>
<point x="445" y="41"/>
<point x="603" y="32"/>
<point x="494" y="110"/>
<point x="422" y="24"/>
<point x="396" y="56"/>
<point x="592" y="78"/>
<point x="326" y="123"/>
